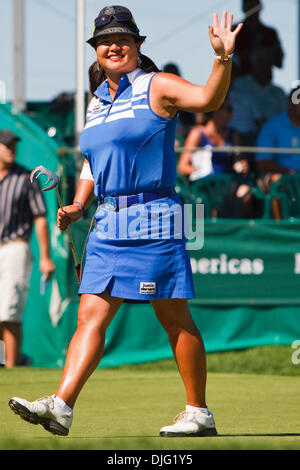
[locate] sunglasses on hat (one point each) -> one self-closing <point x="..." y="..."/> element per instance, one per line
<point x="122" y="16"/>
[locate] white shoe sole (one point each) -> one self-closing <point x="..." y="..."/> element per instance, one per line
<point x="207" y="432"/>
<point x="49" y="424"/>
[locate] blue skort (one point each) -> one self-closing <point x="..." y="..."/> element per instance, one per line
<point x="139" y="253"/>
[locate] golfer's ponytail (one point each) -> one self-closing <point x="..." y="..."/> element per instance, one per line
<point x="97" y="75"/>
<point x="147" y="64"/>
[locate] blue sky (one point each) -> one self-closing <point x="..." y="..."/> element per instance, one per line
<point x="176" y="31"/>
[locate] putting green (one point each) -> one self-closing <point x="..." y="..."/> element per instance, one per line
<point x="125" y="409"/>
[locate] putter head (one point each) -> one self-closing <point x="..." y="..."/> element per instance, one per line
<point x="41" y="170"/>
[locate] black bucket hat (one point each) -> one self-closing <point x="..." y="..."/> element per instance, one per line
<point x="114" y="20"/>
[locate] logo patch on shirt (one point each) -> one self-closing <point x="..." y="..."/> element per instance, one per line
<point x="147" y="287"/>
<point x="96" y="108"/>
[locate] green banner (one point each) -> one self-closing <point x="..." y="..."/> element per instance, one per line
<point x="248" y="263"/>
<point x="246" y="279"/>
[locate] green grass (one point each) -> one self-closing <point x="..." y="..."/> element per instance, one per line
<point x="255" y="406"/>
<point x="263" y="360"/>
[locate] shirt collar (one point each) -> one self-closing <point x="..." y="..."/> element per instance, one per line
<point x="126" y="80"/>
<point x="136" y="73"/>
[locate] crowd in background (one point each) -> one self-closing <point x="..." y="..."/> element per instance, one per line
<point x="256" y="113"/>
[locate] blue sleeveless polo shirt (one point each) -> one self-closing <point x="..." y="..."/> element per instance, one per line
<point x="130" y="150"/>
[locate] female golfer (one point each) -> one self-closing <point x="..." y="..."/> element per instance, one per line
<point x="128" y="142"/>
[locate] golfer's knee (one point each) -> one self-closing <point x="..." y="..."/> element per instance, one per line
<point x="174" y="327"/>
<point x="88" y="318"/>
<point x="94" y="318"/>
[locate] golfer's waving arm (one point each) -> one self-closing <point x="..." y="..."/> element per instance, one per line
<point x="171" y="93"/>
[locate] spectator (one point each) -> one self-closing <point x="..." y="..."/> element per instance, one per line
<point x="21" y="204"/>
<point x="247" y="117"/>
<point x="282" y="131"/>
<point x="204" y="162"/>
<point x="269" y="98"/>
<point x="213" y="133"/>
<point x="255" y="36"/>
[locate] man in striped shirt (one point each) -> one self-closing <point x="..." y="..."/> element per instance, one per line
<point x="21" y="206"/>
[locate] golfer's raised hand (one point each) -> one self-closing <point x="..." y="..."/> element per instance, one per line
<point x="68" y="215"/>
<point x="221" y="37"/>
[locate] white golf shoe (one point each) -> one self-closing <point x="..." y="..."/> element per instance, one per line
<point x="191" y="423"/>
<point x="46" y="411"/>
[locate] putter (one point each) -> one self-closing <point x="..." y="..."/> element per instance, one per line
<point x="41" y="170"/>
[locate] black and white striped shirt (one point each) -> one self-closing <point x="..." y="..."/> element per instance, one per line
<point x="20" y="203"/>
